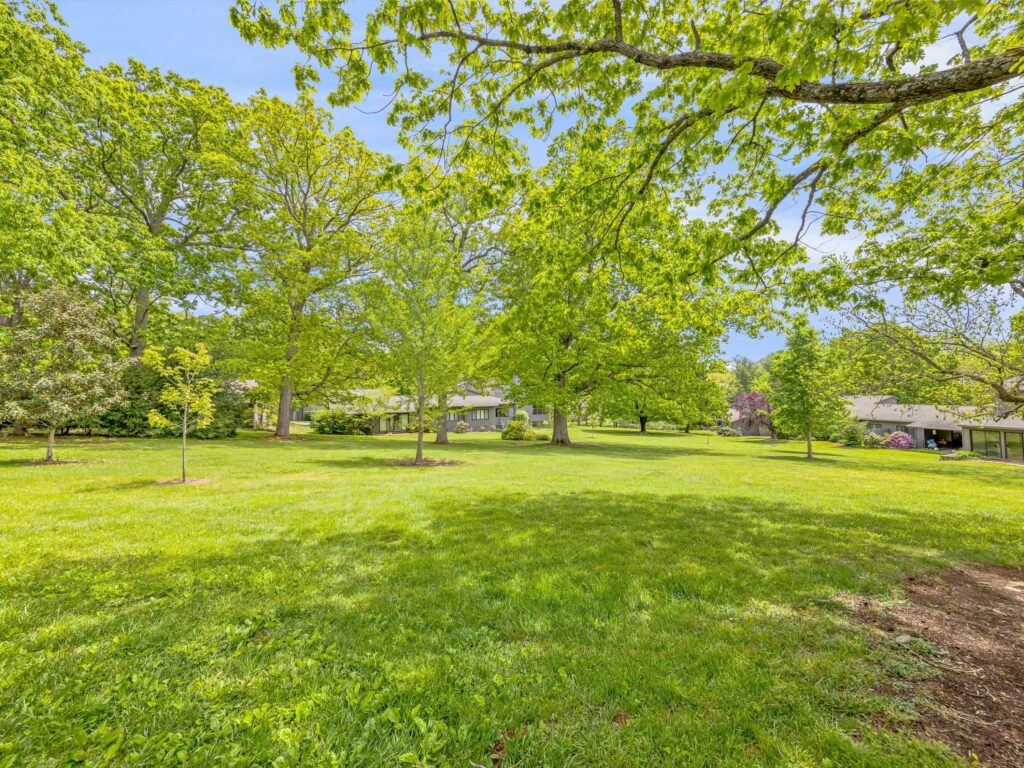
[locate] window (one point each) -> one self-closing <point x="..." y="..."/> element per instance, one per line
<point x="501" y="411"/>
<point x="539" y="408"/>
<point x="451" y="416"/>
<point x="1015" y="446"/>
<point x="478" y="414"/>
<point x="986" y="442"/>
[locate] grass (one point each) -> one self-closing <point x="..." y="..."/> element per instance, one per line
<point x="630" y="601"/>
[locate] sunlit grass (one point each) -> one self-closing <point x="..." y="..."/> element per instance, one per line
<point x="629" y="601"/>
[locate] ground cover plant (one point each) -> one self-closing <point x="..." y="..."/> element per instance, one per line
<point x="672" y="599"/>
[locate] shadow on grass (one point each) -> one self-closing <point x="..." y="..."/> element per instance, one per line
<point x="698" y="616"/>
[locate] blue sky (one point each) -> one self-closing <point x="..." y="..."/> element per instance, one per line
<point x="194" y="38"/>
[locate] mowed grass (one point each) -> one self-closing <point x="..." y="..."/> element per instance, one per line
<point x="659" y="600"/>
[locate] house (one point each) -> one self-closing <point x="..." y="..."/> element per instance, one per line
<point x="942" y="427"/>
<point x="745" y="428"/>
<point x="394" y="413"/>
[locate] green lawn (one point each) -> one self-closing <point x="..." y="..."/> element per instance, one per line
<point x="630" y="601"/>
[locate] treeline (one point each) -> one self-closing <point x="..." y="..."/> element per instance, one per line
<point x="160" y="214"/>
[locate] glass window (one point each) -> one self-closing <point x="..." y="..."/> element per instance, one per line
<point x="451" y="416"/>
<point x="985" y="442"/>
<point x="1015" y="446"/>
<point x="478" y="414"/>
<point x="501" y="411"/>
<point x="539" y="408"/>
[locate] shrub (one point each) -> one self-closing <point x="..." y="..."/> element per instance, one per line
<point x="142" y="387"/>
<point x="899" y="441"/>
<point x="851" y="434"/>
<point x="519" y="428"/>
<point x="414" y="427"/>
<point x="462" y="427"/>
<point x="964" y="455"/>
<point x="873" y="440"/>
<point x="334" y="421"/>
<point x="728" y="432"/>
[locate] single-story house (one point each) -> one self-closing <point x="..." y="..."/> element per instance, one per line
<point x="942" y="427"/>
<point x="482" y="412"/>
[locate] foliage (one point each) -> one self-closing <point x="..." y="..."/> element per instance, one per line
<point x="425" y="320"/>
<point x="899" y="441"/>
<point x="335" y="421"/>
<point x="140" y="168"/>
<point x="462" y="427"/>
<point x="873" y="440"/>
<point x="851" y="434"/>
<point x="58" y="365"/>
<point x="811" y="105"/>
<point x="753" y="411"/>
<point x="519" y="428"/>
<point x="300" y="261"/>
<point x="187" y="394"/>
<point x="805" y="400"/>
<point x="142" y="387"/>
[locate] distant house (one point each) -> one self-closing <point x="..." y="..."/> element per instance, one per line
<point x="747" y="428"/>
<point x="942" y="427"/>
<point x="482" y="412"/>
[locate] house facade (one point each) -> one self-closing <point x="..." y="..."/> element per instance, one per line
<point x="482" y="412"/>
<point x="942" y="428"/>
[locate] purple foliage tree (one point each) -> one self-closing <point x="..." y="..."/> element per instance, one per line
<point x="754" y="411"/>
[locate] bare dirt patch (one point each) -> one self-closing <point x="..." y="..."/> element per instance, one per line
<point x="425" y="463"/>
<point x="967" y="626"/>
<point x="191" y="481"/>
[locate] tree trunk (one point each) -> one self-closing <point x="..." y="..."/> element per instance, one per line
<point x="19" y="430"/>
<point x="686" y="429"/>
<point x="137" y="345"/>
<point x="419" y="427"/>
<point x="442" y="426"/>
<point x="284" y="410"/>
<point x="810" y="452"/>
<point x="643" y="424"/>
<point x="49" y="444"/>
<point x="184" y="444"/>
<point x="559" y="427"/>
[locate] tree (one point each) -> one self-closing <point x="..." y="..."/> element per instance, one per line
<point x="804" y="398"/>
<point x="425" y="323"/>
<point x="814" y="100"/>
<point x="309" y="207"/>
<point x="42" y="232"/>
<point x="59" y="363"/>
<point x="140" y="168"/>
<point x="188" y="395"/>
<point x="753" y="410"/>
<point x="966" y="352"/>
<point x="747" y="372"/>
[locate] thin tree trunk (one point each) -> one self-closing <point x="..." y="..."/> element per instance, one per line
<point x="442" y="426"/>
<point x="559" y="427"/>
<point x="284" y="409"/>
<point x="49" y="444"/>
<point x="184" y="444"/>
<point x="421" y="398"/>
<point x="643" y="424"/>
<point x="810" y="452"/>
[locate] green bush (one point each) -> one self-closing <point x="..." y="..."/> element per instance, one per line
<point x="873" y="440"/>
<point x="414" y="428"/>
<point x="334" y="421"/>
<point x="519" y="428"/>
<point x="850" y="434"/>
<point x="142" y="387"/>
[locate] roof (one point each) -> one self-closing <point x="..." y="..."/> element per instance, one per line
<point x="871" y="408"/>
<point x="377" y="400"/>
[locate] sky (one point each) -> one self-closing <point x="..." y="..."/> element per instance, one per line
<point x="195" y="38"/>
